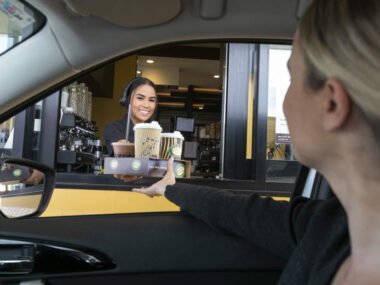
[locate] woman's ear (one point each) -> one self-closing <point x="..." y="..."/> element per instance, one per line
<point x="337" y="105"/>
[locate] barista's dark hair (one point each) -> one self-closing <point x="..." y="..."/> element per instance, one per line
<point x="138" y="81"/>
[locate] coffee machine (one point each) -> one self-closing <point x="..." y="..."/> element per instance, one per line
<point x="80" y="149"/>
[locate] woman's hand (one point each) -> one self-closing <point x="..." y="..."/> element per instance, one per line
<point x="35" y="178"/>
<point x="159" y="188"/>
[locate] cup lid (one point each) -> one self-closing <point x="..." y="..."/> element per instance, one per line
<point x="176" y="135"/>
<point x="151" y="125"/>
<point x="123" y="143"/>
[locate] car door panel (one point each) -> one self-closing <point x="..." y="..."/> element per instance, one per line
<point x="183" y="278"/>
<point x="146" y="247"/>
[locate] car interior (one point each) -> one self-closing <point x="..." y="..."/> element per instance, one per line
<point x="73" y="39"/>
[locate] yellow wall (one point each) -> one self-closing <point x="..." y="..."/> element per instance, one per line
<point x="109" y="109"/>
<point x="72" y="202"/>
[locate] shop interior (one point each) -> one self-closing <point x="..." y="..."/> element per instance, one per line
<point x="190" y="82"/>
<point x="189" y="88"/>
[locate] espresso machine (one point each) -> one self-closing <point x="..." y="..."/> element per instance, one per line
<point x="79" y="148"/>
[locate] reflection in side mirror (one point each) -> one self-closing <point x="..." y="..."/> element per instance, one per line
<point x="25" y="187"/>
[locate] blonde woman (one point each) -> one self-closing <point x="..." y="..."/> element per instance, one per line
<point x="333" y="111"/>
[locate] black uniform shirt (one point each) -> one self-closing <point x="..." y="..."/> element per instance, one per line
<point x="115" y="131"/>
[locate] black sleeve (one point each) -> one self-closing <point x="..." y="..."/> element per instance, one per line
<point x="262" y="221"/>
<point x="305" y="212"/>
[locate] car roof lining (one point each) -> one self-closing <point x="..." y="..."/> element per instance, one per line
<point x="127" y="13"/>
<point x="70" y="44"/>
<point x="301" y="7"/>
<point x="79" y="37"/>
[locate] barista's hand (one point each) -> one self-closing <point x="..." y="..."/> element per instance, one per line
<point x="159" y="188"/>
<point x="127" y="178"/>
<point x="35" y="178"/>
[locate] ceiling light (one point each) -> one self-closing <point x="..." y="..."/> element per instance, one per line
<point x="216" y="76"/>
<point x="138" y="71"/>
<point x="200" y="108"/>
<point x="149" y="61"/>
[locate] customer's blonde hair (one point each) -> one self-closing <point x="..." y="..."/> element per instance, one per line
<point x="341" y="39"/>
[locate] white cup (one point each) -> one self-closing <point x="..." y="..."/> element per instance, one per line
<point x="171" y="145"/>
<point x="147" y="139"/>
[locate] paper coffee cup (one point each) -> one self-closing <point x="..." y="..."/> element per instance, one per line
<point x="171" y="145"/>
<point x="147" y="139"/>
<point x="123" y="148"/>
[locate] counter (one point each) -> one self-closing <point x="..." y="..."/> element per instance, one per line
<point x="108" y="182"/>
<point x="86" y="194"/>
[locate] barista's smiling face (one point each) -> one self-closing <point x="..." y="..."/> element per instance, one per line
<point x="143" y="103"/>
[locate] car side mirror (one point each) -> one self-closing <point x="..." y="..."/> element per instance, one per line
<point x="25" y="187"/>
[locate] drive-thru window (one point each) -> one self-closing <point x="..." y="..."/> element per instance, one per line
<point x="225" y="98"/>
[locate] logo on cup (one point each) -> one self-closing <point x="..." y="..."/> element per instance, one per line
<point x="175" y="151"/>
<point x="179" y="171"/>
<point x="136" y="164"/>
<point x="114" y="164"/>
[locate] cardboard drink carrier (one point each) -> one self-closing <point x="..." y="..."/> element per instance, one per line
<point x="145" y="161"/>
<point x="144" y="166"/>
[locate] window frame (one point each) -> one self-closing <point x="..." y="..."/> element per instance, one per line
<point x="245" y="61"/>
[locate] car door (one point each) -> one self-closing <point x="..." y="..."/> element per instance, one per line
<point x="139" y="248"/>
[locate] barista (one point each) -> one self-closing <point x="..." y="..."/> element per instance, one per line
<point x="140" y="99"/>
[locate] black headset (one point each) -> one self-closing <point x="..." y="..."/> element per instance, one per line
<point x="126" y="97"/>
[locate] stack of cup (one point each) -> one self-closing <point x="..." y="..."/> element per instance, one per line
<point x="171" y="145"/>
<point x="147" y="139"/>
